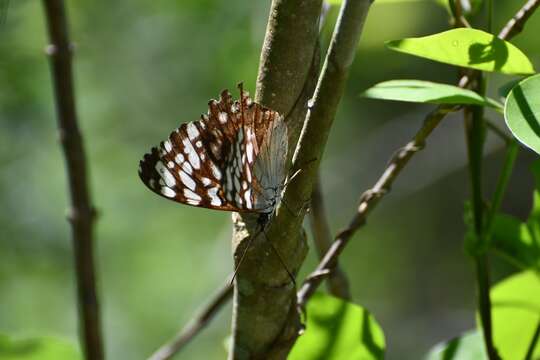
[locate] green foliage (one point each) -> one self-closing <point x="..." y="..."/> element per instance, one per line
<point x="522" y="112"/>
<point x="337" y="329"/>
<point x="427" y="92"/>
<point x="519" y="241"/>
<point x="512" y="239"/>
<point x="469" y="346"/>
<point x="470" y="48"/>
<point x="516" y="314"/>
<point x="39" y="348"/>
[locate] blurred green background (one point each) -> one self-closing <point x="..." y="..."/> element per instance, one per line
<point x="144" y="67"/>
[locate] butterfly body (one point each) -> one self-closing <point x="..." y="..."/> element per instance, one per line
<point x="232" y="159"/>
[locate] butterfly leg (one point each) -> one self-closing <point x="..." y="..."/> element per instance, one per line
<point x="293" y="280"/>
<point x="250" y="241"/>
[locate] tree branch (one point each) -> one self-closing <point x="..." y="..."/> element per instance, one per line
<point x="371" y="197"/>
<point x="316" y="277"/>
<point x="196" y="324"/>
<point x="517" y="23"/>
<point x="337" y="282"/>
<point x="82" y="213"/>
<point x="369" y="200"/>
<point x="264" y="299"/>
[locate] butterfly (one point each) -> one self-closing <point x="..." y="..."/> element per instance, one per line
<point x="232" y="159"/>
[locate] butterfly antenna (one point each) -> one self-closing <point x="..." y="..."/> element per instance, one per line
<point x="243" y="256"/>
<point x="280" y="259"/>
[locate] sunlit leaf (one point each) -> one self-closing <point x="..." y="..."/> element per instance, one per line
<point x="516" y="315"/>
<point x="469" y="346"/>
<point x="512" y="239"/>
<point x="338" y="329"/>
<point x="522" y="112"/>
<point x="470" y="48"/>
<point x="427" y="92"/>
<point x="39" y="348"/>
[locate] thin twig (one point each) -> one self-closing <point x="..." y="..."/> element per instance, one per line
<point x="337" y="283"/>
<point x="457" y="13"/>
<point x="533" y="343"/>
<point x="196" y="324"/>
<point x="390" y="173"/>
<point x="517" y="23"/>
<point x="82" y="213"/>
<point x="371" y="197"/>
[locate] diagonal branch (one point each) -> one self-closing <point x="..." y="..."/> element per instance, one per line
<point x="371" y="197"/>
<point x="337" y="283"/>
<point x="517" y="23"/>
<point x="196" y="324"/>
<point x="369" y="200"/>
<point x="82" y="213"/>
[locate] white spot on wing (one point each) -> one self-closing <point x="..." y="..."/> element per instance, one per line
<point x="168" y="192"/>
<point x="206" y="181"/>
<point x="215" y="171"/>
<point x="192" y="131"/>
<point x="190" y="151"/>
<point x="247" y="196"/>
<point x="165" y="174"/>
<point x="187" y="168"/>
<point x="193" y="202"/>
<point x="215" y="200"/>
<point x="168" y="146"/>
<point x="187" y="180"/>
<point x="249" y="151"/>
<point x="191" y="195"/>
<point x="179" y="158"/>
<point x="222" y="117"/>
<point x="170" y="164"/>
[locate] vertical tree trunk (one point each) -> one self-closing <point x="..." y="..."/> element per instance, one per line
<point x="265" y="321"/>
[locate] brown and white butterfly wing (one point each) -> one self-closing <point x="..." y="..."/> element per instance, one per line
<point x="209" y="163"/>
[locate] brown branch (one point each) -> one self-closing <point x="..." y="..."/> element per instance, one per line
<point x="317" y="276"/>
<point x="264" y="309"/>
<point x="81" y="214"/>
<point x="371" y="197"/>
<point x="196" y="324"/>
<point x="457" y="13"/>
<point x="369" y="200"/>
<point x="337" y="282"/>
<point x="517" y="23"/>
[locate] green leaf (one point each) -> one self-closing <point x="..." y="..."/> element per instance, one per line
<point x="522" y="112"/>
<point x="516" y="315"/>
<point x="469" y="48"/>
<point x="469" y="346"/>
<point x="337" y="329"/>
<point x="513" y="240"/>
<point x="427" y="92"/>
<point x="39" y="348"/>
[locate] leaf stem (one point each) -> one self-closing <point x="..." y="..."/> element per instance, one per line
<point x="534" y="341"/>
<point x="502" y="184"/>
<point x="475" y="134"/>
